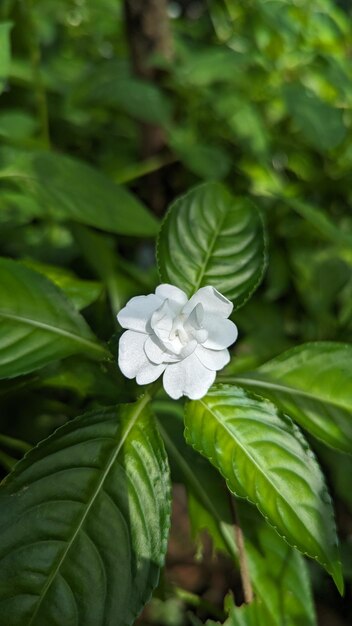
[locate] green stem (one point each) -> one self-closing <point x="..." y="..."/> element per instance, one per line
<point x="14" y="444"/>
<point x="196" y="601"/>
<point x="148" y="166"/>
<point x="242" y="556"/>
<point x="40" y="93"/>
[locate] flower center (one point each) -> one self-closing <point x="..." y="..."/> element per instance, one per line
<point x="178" y="330"/>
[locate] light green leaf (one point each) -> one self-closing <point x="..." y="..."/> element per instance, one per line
<point x="313" y="384"/>
<point x="72" y="190"/>
<point x="265" y="459"/>
<point x="277" y="571"/>
<point x="252" y="614"/>
<point x="37" y="323"/>
<point x="211" y="238"/>
<point x="84" y="522"/>
<point x="81" y="292"/>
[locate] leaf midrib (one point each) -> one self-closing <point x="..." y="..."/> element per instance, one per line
<point x="286" y="389"/>
<point x="92" y="345"/>
<point x="111" y="460"/>
<point x="203" y="267"/>
<point x="260" y="470"/>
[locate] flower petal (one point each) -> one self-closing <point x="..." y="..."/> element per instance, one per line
<point x="156" y="353"/>
<point x="188" y="377"/>
<point x="138" y="311"/>
<point x="149" y="372"/>
<point x="131" y="353"/>
<point x="172" y="293"/>
<point x="222" y="332"/>
<point x="212" y="300"/>
<point x="213" y="359"/>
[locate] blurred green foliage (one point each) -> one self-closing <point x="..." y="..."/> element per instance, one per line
<point x="258" y="94"/>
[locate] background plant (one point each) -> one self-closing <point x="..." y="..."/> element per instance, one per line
<point x="255" y="95"/>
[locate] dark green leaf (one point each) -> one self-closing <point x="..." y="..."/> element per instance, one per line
<point x="81" y="292"/>
<point x="84" y="522"/>
<point x="320" y="123"/>
<point x="211" y="238"/>
<point x="72" y="190"/>
<point x="37" y="323"/>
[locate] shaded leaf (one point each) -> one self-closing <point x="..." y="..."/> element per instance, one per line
<point x="81" y="292"/>
<point x="320" y="123"/>
<point x="38" y="324"/>
<point x="84" y="522"/>
<point x="72" y="190"/>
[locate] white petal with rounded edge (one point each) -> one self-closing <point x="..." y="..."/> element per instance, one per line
<point x="212" y="300"/>
<point x="131" y="353"/>
<point x="222" y="332"/>
<point x="213" y="359"/>
<point x="138" y="312"/>
<point x="169" y="292"/>
<point x="149" y="372"/>
<point x="188" y="377"/>
<point x="156" y="353"/>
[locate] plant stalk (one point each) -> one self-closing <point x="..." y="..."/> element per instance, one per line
<point x="242" y="556"/>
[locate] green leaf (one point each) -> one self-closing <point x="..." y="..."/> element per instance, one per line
<point x="252" y="614"/>
<point x="81" y="292"/>
<point x="99" y="251"/>
<point x="37" y="323"/>
<point x="313" y="384"/>
<point x="72" y="190"/>
<point x="84" y="522"/>
<point x="5" y="52"/>
<point x="205" y="160"/>
<point x="211" y="238"/>
<point x="321" y="124"/>
<point x="278" y="572"/>
<point x="265" y="459"/>
<point x="138" y="98"/>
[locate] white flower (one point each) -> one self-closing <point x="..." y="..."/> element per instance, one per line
<point x="186" y="340"/>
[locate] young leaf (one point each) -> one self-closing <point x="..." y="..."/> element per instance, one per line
<point x="313" y="384"/>
<point x="37" y="323"/>
<point x="72" y="190"/>
<point x="84" y="522"/>
<point x="264" y="458"/>
<point x="211" y="238"/>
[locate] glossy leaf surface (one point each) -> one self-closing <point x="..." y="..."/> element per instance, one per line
<point x="37" y="323"/>
<point x="264" y="458"/>
<point x="313" y="384"/>
<point x="278" y="572"/>
<point x="84" y="522"/>
<point x="211" y="238"/>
